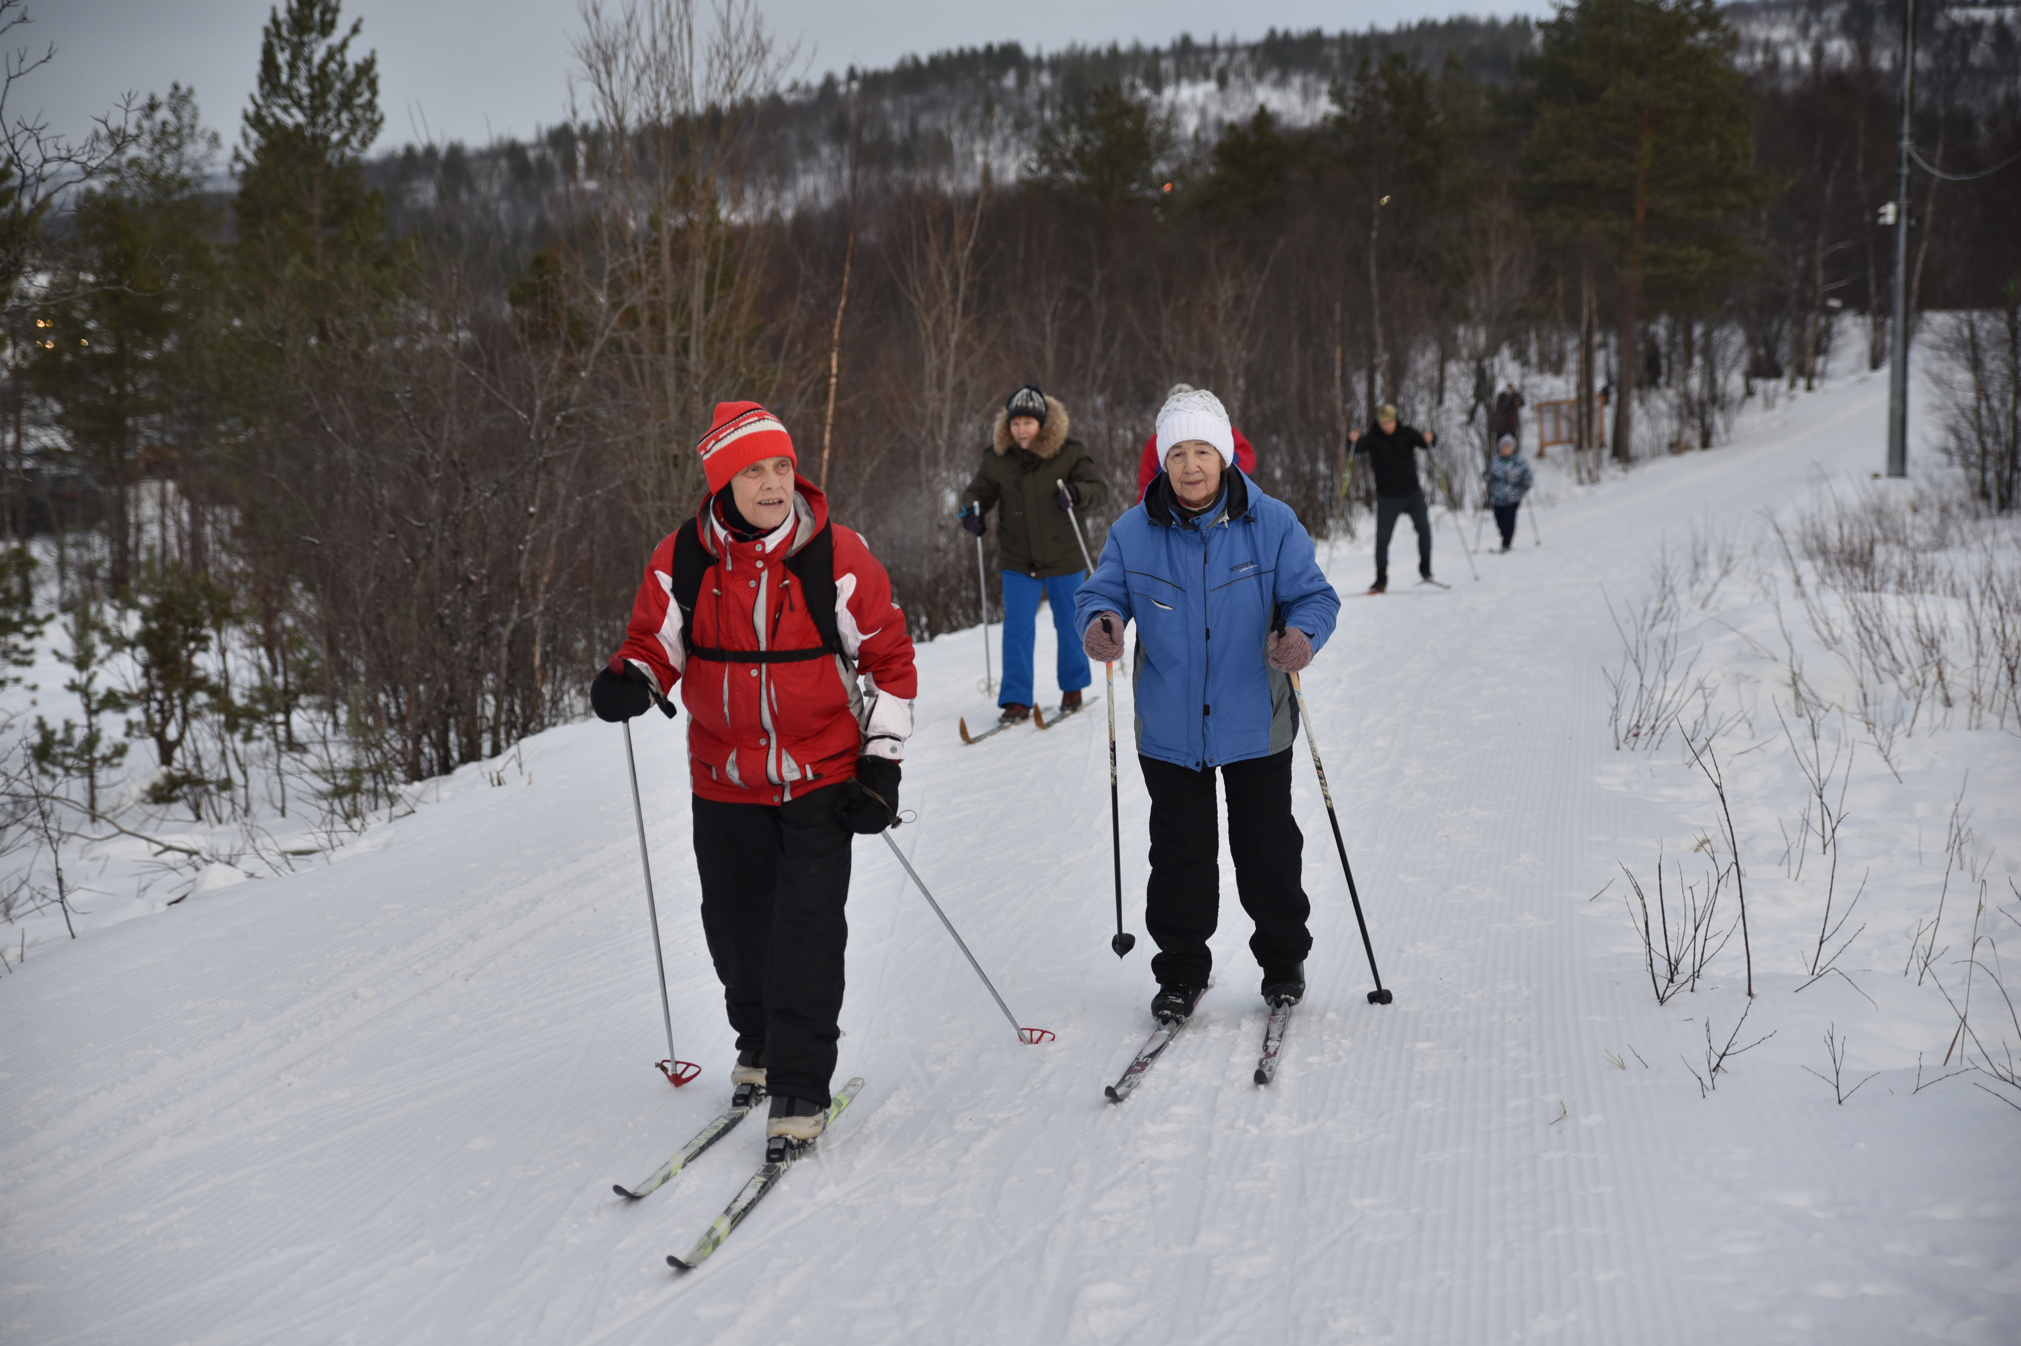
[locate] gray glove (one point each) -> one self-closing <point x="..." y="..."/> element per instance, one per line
<point x="1290" y="650"/>
<point x="1103" y="640"/>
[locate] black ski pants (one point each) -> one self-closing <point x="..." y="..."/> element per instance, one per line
<point x="1387" y="510"/>
<point x="774" y="881"/>
<point x="1505" y="523"/>
<point x="1182" y="901"/>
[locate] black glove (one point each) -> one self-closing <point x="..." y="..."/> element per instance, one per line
<point x="971" y="519"/>
<point x="869" y="803"/>
<point x="621" y="692"/>
<point x="1068" y="496"/>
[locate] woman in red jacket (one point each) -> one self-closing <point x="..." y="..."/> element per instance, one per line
<point x="796" y="669"/>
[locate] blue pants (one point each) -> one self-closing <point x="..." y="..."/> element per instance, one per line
<point x="1020" y="618"/>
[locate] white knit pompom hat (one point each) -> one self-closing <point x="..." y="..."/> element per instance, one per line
<point x="1196" y="414"/>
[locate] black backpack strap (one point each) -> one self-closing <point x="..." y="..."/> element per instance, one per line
<point x="814" y="566"/>
<point x="691" y="562"/>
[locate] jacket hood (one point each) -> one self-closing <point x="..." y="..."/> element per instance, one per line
<point x="810" y="513"/>
<point x="1052" y="435"/>
<point x="1160" y="503"/>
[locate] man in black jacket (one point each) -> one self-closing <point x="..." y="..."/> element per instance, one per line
<point x="1392" y="451"/>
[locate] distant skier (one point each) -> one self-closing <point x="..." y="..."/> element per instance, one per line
<point x="796" y="669"/>
<point x="1153" y="462"/>
<point x="1029" y="452"/>
<point x="1508" y="417"/>
<point x="1391" y="449"/>
<point x="1509" y="480"/>
<point x="1206" y="555"/>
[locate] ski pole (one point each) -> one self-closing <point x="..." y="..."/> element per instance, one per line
<point x="1124" y="941"/>
<point x="982" y="593"/>
<point x="1458" y="531"/>
<point x="1031" y="1037"/>
<point x="1379" y="996"/>
<point x="1533" y="527"/>
<point x="1086" y="559"/>
<point x="1480" y="526"/>
<point x="677" y="1071"/>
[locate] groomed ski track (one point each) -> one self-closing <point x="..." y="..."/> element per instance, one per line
<point x="385" y="1101"/>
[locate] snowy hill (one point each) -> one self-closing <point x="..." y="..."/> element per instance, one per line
<point x="385" y="1100"/>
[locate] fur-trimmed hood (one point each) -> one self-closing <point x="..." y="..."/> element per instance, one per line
<point x="1052" y="435"/>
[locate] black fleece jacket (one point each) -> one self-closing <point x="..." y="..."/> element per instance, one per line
<point x="1394" y="457"/>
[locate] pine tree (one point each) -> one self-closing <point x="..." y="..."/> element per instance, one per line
<point x="306" y="218"/>
<point x="1110" y="147"/>
<point x="1643" y="138"/>
<point x="121" y="351"/>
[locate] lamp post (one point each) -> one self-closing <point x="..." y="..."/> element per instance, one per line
<point x="1898" y="209"/>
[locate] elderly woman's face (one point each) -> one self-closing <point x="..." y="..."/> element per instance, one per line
<point x="1194" y="466"/>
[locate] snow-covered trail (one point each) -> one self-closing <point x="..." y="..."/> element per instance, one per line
<point x="385" y="1101"/>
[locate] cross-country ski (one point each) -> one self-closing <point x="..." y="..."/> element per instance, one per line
<point x="1047" y="718"/>
<point x="997" y="728"/>
<point x="780" y="1155"/>
<point x="1153" y="1048"/>
<point x="746" y="1097"/>
<point x="1273" y="1041"/>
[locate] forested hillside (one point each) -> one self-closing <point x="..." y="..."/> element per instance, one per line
<point x="366" y="451"/>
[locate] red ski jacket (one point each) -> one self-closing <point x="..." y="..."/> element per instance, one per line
<point x="1152" y="464"/>
<point x="764" y="733"/>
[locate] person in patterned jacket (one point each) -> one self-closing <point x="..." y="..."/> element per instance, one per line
<point x="1509" y="480"/>
<point x="794" y="663"/>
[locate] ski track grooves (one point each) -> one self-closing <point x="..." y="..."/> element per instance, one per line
<point x="385" y="1100"/>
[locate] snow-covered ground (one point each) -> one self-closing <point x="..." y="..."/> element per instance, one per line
<point x="384" y="1099"/>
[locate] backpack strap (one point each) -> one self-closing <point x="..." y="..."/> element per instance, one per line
<point x="813" y="565"/>
<point x="691" y="562"/>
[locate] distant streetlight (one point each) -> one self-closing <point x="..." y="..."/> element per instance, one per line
<point x="1896" y="212"/>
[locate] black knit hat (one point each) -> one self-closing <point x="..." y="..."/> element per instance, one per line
<point x="1026" y="401"/>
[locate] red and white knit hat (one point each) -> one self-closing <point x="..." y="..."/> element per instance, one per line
<point x="742" y="433"/>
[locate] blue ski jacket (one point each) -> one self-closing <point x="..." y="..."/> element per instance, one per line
<point x="1203" y="593"/>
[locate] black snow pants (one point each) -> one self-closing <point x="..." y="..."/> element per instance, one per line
<point x="774" y="880"/>
<point x="1182" y="901"/>
<point x="1387" y="508"/>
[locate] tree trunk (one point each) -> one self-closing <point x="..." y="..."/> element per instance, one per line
<point x="1628" y="358"/>
<point x="1380" y="386"/>
<point x="1583" y="418"/>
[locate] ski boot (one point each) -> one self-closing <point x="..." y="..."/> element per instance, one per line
<point x="1284" y="987"/>
<point x="748" y="1078"/>
<point x="1174" y="1004"/>
<point x="1381" y="584"/>
<point x="794" y="1125"/>
<point x="1014" y="713"/>
<point x="1070" y="700"/>
<point x="1425" y="571"/>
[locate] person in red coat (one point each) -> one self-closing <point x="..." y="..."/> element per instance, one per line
<point x="1152" y="463"/>
<point x="795" y="735"/>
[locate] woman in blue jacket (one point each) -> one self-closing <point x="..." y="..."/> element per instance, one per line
<point x="1228" y="601"/>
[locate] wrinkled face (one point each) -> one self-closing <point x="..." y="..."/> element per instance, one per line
<point x="1024" y="429"/>
<point x="1194" y="466"/>
<point x="1388" y="424"/>
<point x="764" y="492"/>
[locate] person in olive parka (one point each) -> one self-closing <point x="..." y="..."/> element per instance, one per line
<point x="1029" y="454"/>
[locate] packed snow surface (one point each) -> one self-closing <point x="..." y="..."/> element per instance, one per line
<point x="385" y="1100"/>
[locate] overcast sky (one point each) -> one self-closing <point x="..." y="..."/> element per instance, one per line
<point x="471" y="69"/>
